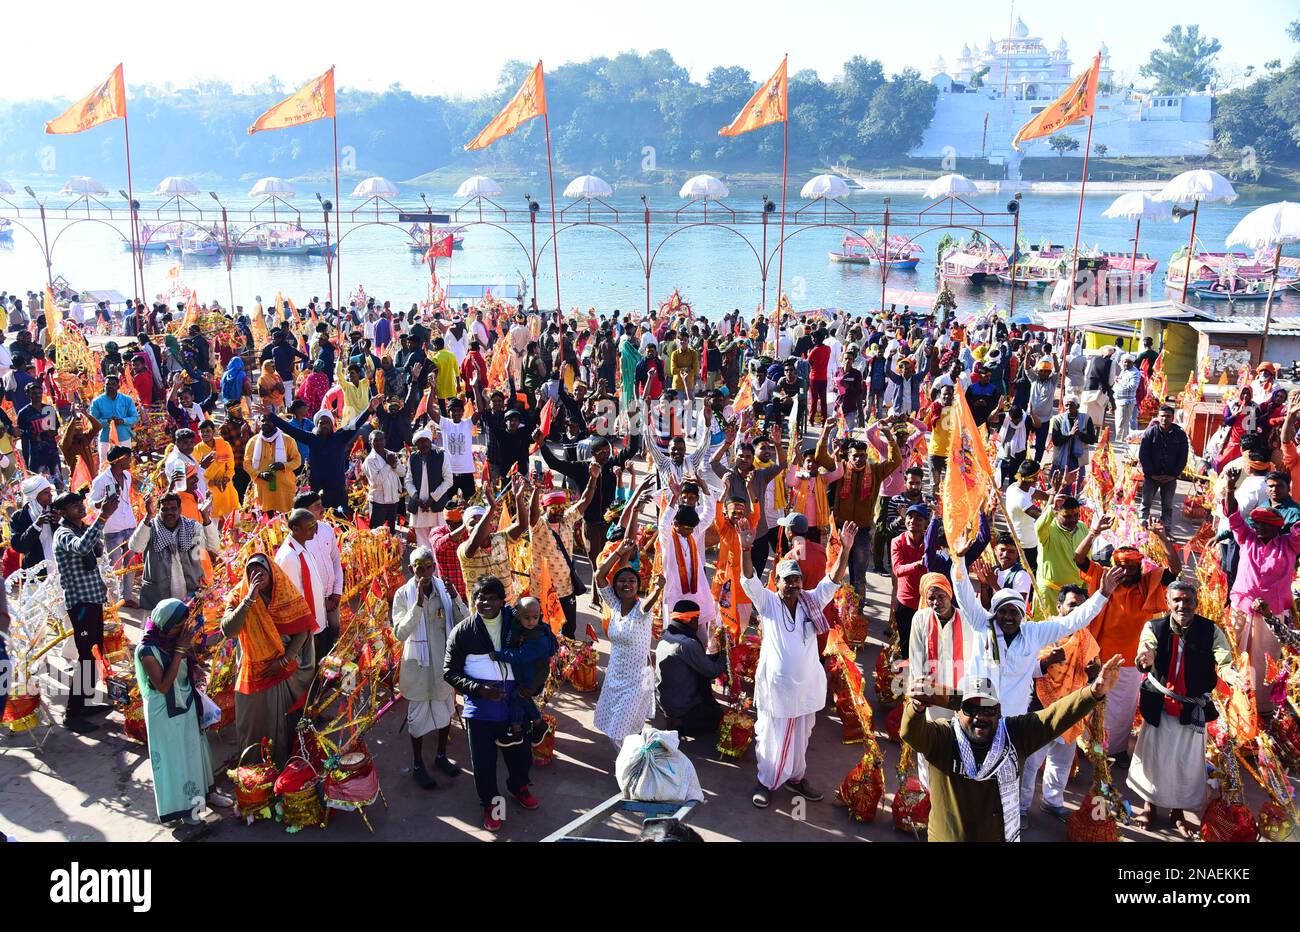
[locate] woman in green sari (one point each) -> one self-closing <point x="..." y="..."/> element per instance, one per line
<point x="629" y="356"/>
<point x="178" y="750"/>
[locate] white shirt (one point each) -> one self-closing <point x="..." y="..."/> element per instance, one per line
<point x="458" y="347"/>
<point x="790" y="680"/>
<point x="1015" y="665"/>
<point x="1022" y="525"/>
<point x="385" y="481"/>
<point x="6" y="361"/>
<point x="1252" y="492"/>
<point x="288" y="559"/>
<point x="480" y="331"/>
<point x="647" y="339"/>
<point x="124" y="519"/>
<point x="703" y="594"/>
<point x="325" y="548"/>
<point x="457" y="440"/>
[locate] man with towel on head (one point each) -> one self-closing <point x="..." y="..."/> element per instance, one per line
<point x="428" y="478"/>
<point x="31" y="529"/>
<point x="424" y="612"/>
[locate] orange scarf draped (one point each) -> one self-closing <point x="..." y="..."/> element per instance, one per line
<point x="1061" y="679"/>
<point x="689" y="578"/>
<point x="260" y="644"/>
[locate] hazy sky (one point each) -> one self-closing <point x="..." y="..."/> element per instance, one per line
<point x="66" y="47"/>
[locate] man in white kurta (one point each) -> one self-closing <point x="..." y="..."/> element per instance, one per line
<point x="681" y="544"/>
<point x="303" y="567"/>
<point x="790" y="682"/>
<point x="428" y="477"/>
<point x="424" y="612"/>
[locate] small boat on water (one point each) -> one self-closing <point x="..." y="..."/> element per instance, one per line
<point x="853" y="251"/>
<point x="420" y="237"/>
<point x="6" y="231"/>
<point x="1210" y="268"/>
<point x="199" y="244"/>
<point x="283" y="241"/>
<point x="1232" y="292"/>
<point x="972" y="263"/>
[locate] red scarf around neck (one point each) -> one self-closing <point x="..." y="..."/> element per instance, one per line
<point x="687" y="576"/>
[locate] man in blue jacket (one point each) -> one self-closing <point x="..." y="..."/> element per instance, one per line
<point x="114" y="409"/>
<point x="1163" y="455"/>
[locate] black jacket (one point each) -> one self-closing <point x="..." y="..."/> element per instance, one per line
<point x="471" y="637"/>
<point x="25" y="537"/>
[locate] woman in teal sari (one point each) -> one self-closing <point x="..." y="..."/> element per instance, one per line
<point x="628" y="359"/>
<point x="168" y="678"/>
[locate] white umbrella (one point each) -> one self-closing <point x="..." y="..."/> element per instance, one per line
<point x="6" y="187"/>
<point x="1137" y="206"/>
<point x="1272" y="225"/>
<point x="478" y="186"/>
<point x="588" y="186"/>
<point x="704" y="186"/>
<point x="950" y="186"/>
<point x="272" y="186"/>
<point x="824" y="186"/>
<point x="375" y="187"/>
<point x="1196" y="186"/>
<point x="83" y="186"/>
<point x="174" y="185"/>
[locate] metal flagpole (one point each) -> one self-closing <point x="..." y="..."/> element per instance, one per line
<point x="785" y="166"/>
<point x="137" y="266"/>
<point x="550" y="181"/>
<point x="338" y="266"/>
<point x="1074" y="270"/>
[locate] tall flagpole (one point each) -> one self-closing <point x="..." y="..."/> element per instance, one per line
<point x="338" y="209"/>
<point x="136" y="265"/>
<point x="785" y="166"/>
<point x="550" y="180"/>
<point x="1074" y="273"/>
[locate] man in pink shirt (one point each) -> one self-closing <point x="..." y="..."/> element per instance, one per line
<point x="896" y="481"/>
<point x="819" y="359"/>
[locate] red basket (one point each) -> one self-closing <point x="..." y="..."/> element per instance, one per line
<point x="862" y="790"/>
<point x="1228" y="822"/>
<point x="1081" y="826"/>
<point x="544" y="752"/>
<point x="911" y="808"/>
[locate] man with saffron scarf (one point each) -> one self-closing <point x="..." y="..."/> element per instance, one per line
<point x="552" y="539"/>
<point x="1139" y="597"/>
<point x="272" y="458"/>
<point x="856" y="494"/>
<point x="169" y="678"/>
<point x="790" y="683"/>
<point x="273" y="623"/>
<point x="975" y="759"/>
<point x="681" y="548"/>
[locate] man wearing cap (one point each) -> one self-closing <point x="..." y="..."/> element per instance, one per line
<point x="790" y="683"/>
<point x="508" y="439"/>
<point x="428" y="479"/>
<point x="1136" y="600"/>
<point x="1024" y="501"/>
<point x="1163" y="456"/>
<point x="118" y="415"/>
<point x="976" y="759"/>
<point x="1014" y="647"/>
<point x="172" y="546"/>
<point x="37" y="426"/>
<point x="77" y="548"/>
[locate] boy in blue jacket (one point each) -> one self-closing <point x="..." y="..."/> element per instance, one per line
<point x="529" y="657"/>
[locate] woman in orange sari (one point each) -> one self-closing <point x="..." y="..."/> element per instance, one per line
<point x="276" y="659"/>
<point x="270" y="387"/>
<point x="220" y="472"/>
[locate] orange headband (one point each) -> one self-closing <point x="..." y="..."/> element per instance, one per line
<point x="1129" y="556"/>
<point x="685" y="616"/>
<point x="930" y="580"/>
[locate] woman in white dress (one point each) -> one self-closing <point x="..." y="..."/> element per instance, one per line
<point x="627" y="696"/>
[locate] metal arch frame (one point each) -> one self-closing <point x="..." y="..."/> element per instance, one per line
<point x="762" y="265"/>
<point x="646" y="263"/>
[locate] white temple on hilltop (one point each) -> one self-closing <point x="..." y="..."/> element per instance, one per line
<point x="996" y="88"/>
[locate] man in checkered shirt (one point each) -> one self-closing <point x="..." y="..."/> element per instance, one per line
<point x="77" y="547"/>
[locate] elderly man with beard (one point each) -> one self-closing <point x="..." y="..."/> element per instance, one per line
<point x="424" y="612"/>
<point x="1013" y="646"/>
<point x="975" y="760"/>
<point x="1184" y="655"/>
<point x="790" y="683"/>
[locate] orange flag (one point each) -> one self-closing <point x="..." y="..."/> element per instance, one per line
<point x="104" y="103"/>
<point x="767" y="106"/>
<point x="744" y="397"/>
<point x="969" y="476"/>
<point x="529" y="101"/>
<point x="314" y="101"/>
<point x="1078" y="101"/>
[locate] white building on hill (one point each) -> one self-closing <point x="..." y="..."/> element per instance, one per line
<point x="992" y="92"/>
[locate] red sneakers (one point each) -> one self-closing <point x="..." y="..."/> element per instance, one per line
<point x="490" y="823"/>
<point x="526" y="798"/>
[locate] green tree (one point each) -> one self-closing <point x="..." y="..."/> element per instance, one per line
<point x="899" y="113"/>
<point x="1100" y="149"/>
<point x="1185" y="64"/>
<point x="1060" y="143"/>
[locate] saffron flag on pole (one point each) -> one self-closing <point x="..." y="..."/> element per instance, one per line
<point x="1078" y="101"/>
<point x="53" y="314"/>
<point x="440" y="248"/>
<point x="104" y="103"/>
<point x="969" y="476"/>
<point x="767" y="106"/>
<point x="529" y="101"/>
<point x="314" y="101"/>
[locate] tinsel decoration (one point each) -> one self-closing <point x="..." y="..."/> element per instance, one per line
<point x="254" y="784"/>
<point x="894" y="723"/>
<point x="1103" y="797"/>
<point x="887" y="681"/>
<point x="736" y="731"/>
<point x="577" y="663"/>
<point x="911" y="806"/>
<point x="863" y="787"/>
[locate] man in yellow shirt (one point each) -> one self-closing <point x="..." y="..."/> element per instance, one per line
<point x="271" y="458"/>
<point x="684" y="368"/>
<point x="447" y="383"/>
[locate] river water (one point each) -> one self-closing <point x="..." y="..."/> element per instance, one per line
<point x="711" y="267"/>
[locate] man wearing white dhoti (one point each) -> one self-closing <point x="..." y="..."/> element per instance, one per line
<point x="424" y="612"/>
<point x="1184" y="655"/>
<point x="790" y="683"/>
